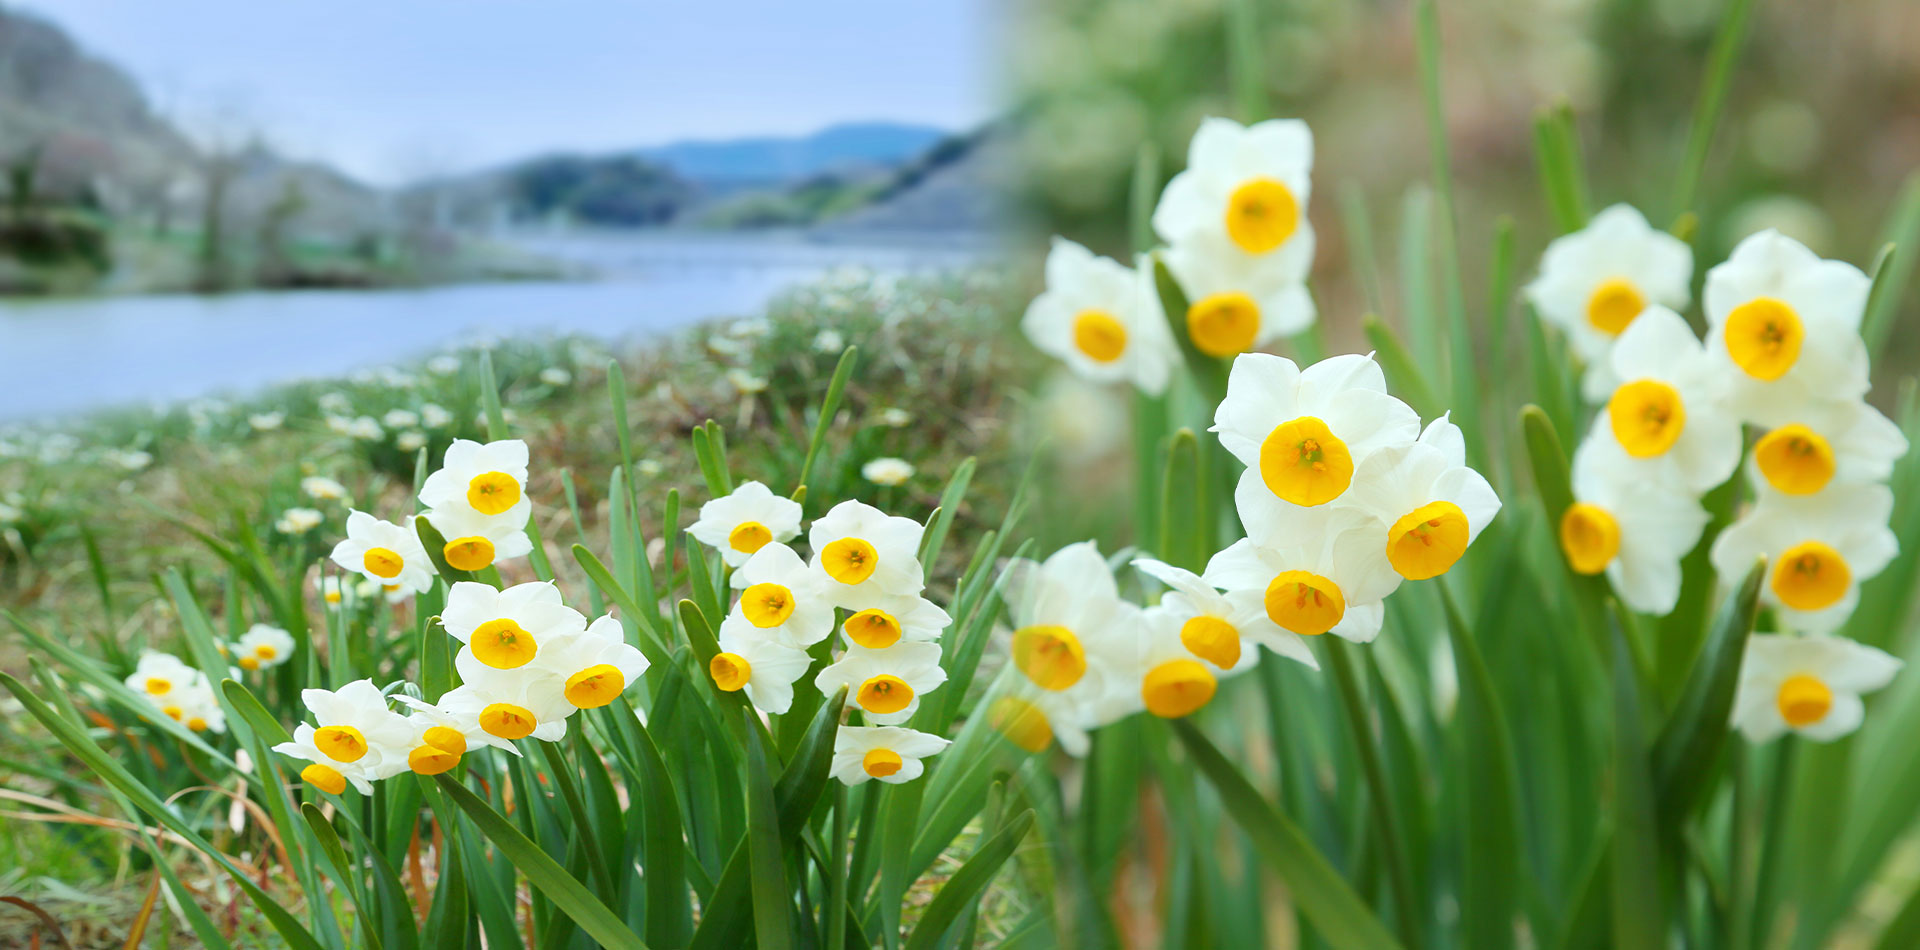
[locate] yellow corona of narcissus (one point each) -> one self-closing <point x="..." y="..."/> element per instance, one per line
<point x="1807" y="685"/>
<point x="387" y="554"/>
<point x="782" y="597"/>
<point x="764" y="667"/>
<point x="1818" y="548"/>
<point x="746" y="520"/>
<point x="356" y="738"/>
<point x="1810" y="447"/>
<point x="262" y="647"/>
<point x="1430" y="502"/>
<point x="1303" y="432"/>
<point x="1101" y="318"/>
<point x="1786" y="325"/>
<point x="1223" y="630"/>
<point x="1633" y="529"/>
<point x="1667" y="421"/>
<point x="885" y="684"/>
<point x="865" y="553"/>
<point x="1597" y="281"/>
<point x="596" y="665"/>
<point x="504" y="629"/>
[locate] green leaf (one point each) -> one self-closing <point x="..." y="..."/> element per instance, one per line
<point x="1403" y="373"/>
<point x="436" y="545"/>
<point x="1143" y="194"/>
<point x="1639" y="913"/>
<point x="1894" y="267"/>
<point x="967" y="884"/>
<point x="656" y="652"/>
<point x="1489" y="803"/>
<point x="829" y="405"/>
<point x="766" y="872"/>
<point x="1184" y="514"/>
<point x="1343" y="920"/>
<point x="568" y="895"/>
<point x="1689" y="745"/>
<point x="1727" y="42"/>
<point x="1246" y="68"/>
<point x="1209" y="373"/>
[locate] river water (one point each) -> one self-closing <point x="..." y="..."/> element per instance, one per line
<point x="60" y="357"/>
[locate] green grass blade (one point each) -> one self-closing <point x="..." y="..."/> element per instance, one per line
<point x="1246" y="67"/>
<point x="829" y="405"/>
<point x="568" y="895"/>
<point x="1689" y="745"/>
<point x="1894" y="268"/>
<point x="1342" y="919"/>
<point x="1639" y="913"/>
<point x="1403" y="372"/>
<point x="1491" y="873"/>
<point x="766" y="871"/>
<point x="1727" y="42"/>
<point x="967" y="884"/>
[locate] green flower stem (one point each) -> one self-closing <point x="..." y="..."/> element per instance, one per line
<point x="1772" y="841"/>
<point x="1340" y="662"/>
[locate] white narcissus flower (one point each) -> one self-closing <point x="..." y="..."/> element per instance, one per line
<point x="781" y="598"/>
<point x="886" y="684"/>
<point x="510" y="704"/>
<point x="1809" y="685"/>
<point x="198" y="709"/>
<point x="766" y="668"/>
<point x="263" y="647"/>
<point x="475" y="541"/>
<point x="1102" y="319"/>
<point x="890" y="619"/>
<point x="1431" y="503"/>
<point x="410" y="441"/>
<point x="1596" y="281"/>
<point x="747" y="519"/>
<point x="321" y="488"/>
<point x="432" y="749"/>
<point x="596" y="665"/>
<point x="1818" y="550"/>
<point x="887" y="471"/>
<point x="324" y="772"/>
<point x="1172" y="683"/>
<point x="383" y="552"/>
<point x="1633" y="529"/>
<point x="400" y="419"/>
<point x="1667" y="419"/>
<point x="1236" y="303"/>
<point x="1224" y="629"/>
<point x="556" y="376"/>
<point x="1072" y="636"/>
<point x="888" y="753"/>
<point x="505" y="629"/>
<point x="1244" y="191"/>
<point x="266" y="421"/>
<point x="158" y="675"/>
<point x="1784" y="325"/>
<point x="864" y="552"/>
<point x="354" y="728"/>
<point x="490" y="479"/>
<point x="1317" y="570"/>
<point x="435" y="416"/>
<point x="1813" y="445"/>
<point x="299" y="520"/>
<point x="1303" y="431"/>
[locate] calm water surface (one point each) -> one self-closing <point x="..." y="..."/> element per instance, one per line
<point x="67" y="356"/>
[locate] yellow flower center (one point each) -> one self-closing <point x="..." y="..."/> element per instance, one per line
<point x="1589" y="536"/>
<point x="1763" y="337"/>
<point x="1021" y="722"/>
<point x="1303" y="462"/>
<point x="445" y="739"/>
<point x="432" y="760"/>
<point x="873" y="628"/>
<point x="1177" y="688"/>
<point x="340" y="743"/>
<point x="249" y="663"/>
<point x="1613" y="305"/>
<point x="468" y="554"/>
<point x="265" y="651"/>
<point x="508" y="721"/>
<point x="1212" y="639"/>
<point x="766" y="605"/>
<point x="324" y="778"/>
<point x="502" y="644"/>
<point x="1261" y="214"/>
<point x="884" y="694"/>
<point x="1223" y="324"/>
<point x="730" y="671"/>
<point x="1101" y="337"/>
<point x="1305" y="603"/>
<point x="1795" y="459"/>
<point x="1810" y="575"/>
<point x="1803" y="700"/>
<point x="491" y="493"/>
<point x="749" y="536"/>
<point x="1647" y="417"/>
<point x="1426" y="541"/>
<point x="881" y="763"/>
<point x="159" y="685"/>
<point x="331" y="597"/>
<point x="383" y="562"/>
<point x="1050" y="655"/>
<point x="197" y="724"/>
<point x="173" y="712"/>
<point x="595" y="686"/>
<point x="849" y="560"/>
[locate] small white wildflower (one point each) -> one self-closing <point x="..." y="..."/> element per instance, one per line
<point x="829" y="341"/>
<point x="435" y="416"/>
<point x="651" y="468"/>
<point x="266" y="421"/>
<point x="366" y="429"/>
<point x="336" y="403"/>
<point x="556" y="376"/>
<point x="747" y="383"/>
<point x="410" y="441"/>
<point x="887" y="471"/>
<point x="321" y="488"/>
<point x="400" y="419"/>
<point x="132" y="460"/>
<point x="298" y="520"/>
<point x="444" y="365"/>
<point x="893" y="417"/>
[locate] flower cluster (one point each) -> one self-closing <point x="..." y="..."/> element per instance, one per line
<point x="476" y="501"/>
<point x="185" y="694"/>
<point x="1344" y="496"/>
<point x="865" y="581"/>
<point x="1238" y="243"/>
<point x="1783" y="356"/>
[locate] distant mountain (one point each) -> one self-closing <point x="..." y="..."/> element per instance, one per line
<point x="848" y="148"/>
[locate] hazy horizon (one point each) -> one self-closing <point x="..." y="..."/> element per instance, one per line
<point x="395" y="92"/>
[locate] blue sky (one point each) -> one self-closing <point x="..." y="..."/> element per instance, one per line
<point x="394" y="89"/>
